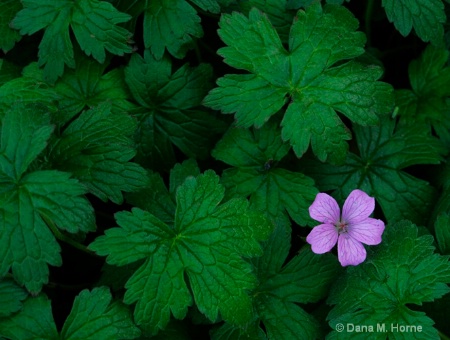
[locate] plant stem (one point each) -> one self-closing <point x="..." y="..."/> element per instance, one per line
<point x="60" y="236"/>
<point x="368" y="21"/>
<point x="443" y="336"/>
<point x="197" y="52"/>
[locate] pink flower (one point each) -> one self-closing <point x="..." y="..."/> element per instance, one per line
<point x="350" y="230"/>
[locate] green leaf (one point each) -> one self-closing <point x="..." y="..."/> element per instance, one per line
<point x="312" y="76"/>
<point x="8" y="72"/>
<point x="34" y="321"/>
<point x="56" y="196"/>
<point x="208" y="5"/>
<point x="156" y="199"/>
<point x="279" y="13"/>
<point x="23" y="137"/>
<point x="180" y="172"/>
<point x="383" y="151"/>
<point x="286" y="320"/>
<point x="442" y="230"/>
<point x="403" y="270"/>
<point x="171" y="25"/>
<point x="96" y="149"/>
<point x="276" y="191"/>
<point x="94" y="24"/>
<point x="442" y="205"/>
<point x="116" y="277"/>
<point x="170" y="111"/>
<point x="228" y="332"/>
<point x="11" y="296"/>
<point x="8" y="36"/>
<point x="90" y="86"/>
<point x="437" y="311"/>
<point x="205" y="245"/>
<point x="175" y="330"/>
<point x="426" y="104"/>
<point x="305" y="278"/>
<point x="426" y="16"/>
<point x="29" y="200"/>
<point x="93" y="317"/>
<point x="30" y="88"/>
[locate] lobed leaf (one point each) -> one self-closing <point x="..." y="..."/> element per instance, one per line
<point x="383" y="152"/>
<point x="11" y="296"/>
<point x="311" y="74"/>
<point x="425" y="106"/>
<point x="442" y="230"/>
<point x="156" y="199"/>
<point x="426" y="16"/>
<point x="88" y="87"/>
<point x="94" y="24"/>
<point x="205" y="245"/>
<point x="34" y="321"/>
<point x="305" y="278"/>
<point x="171" y="25"/>
<point x="8" y="36"/>
<point x="96" y="149"/>
<point x="93" y="316"/>
<point x="32" y="199"/>
<point x="402" y="270"/>
<point x="29" y="89"/>
<point x="170" y="112"/>
<point x="277" y="192"/>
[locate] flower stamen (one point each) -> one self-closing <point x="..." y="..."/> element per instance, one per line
<point x="341" y="227"/>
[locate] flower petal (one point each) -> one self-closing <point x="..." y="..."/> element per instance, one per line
<point x="325" y="209"/>
<point x="322" y="238"/>
<point x="357" y="207"/>
<point x="350" y="251"/>
<point x="368" y="231"/>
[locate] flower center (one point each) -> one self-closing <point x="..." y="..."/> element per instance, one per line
<point x="341" y="227"/>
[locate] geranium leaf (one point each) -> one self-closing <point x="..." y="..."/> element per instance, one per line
<point x="205" y="244"/>
<point x="255" y="155"/>
<point x="312" y="74"/>
<point x="96" y="148"/>
<point x="401" y="271"/>
<point x="94" y="24"/>
<point x="425" y="16"/>
<point x="29" y="199"/>
<point x="170" y="112"/>
<point x="383" y="152"/>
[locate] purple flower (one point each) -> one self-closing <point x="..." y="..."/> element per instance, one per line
<point x="350" y="230"/>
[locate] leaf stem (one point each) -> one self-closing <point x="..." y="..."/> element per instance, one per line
<point x="60" y="236"/>
<point x="443" y="336"/>
<point x="207" y="48"/>
<point x="197" y="52"/>
<point x="368" y="21"/>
